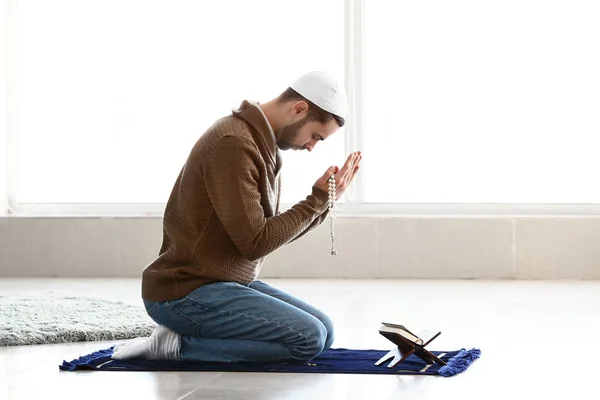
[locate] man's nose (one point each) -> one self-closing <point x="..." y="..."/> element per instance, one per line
<point x="310" y="146"/>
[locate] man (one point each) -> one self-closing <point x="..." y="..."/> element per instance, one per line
<point x="223" y="218"/>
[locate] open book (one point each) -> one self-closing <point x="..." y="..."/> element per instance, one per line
<point x="408" y="343"/>
<point x="422" y="339"/>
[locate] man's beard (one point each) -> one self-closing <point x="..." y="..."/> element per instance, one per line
<point x="288" y="134"/>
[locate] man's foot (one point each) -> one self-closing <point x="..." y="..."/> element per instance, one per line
<point x="163" y="344"/>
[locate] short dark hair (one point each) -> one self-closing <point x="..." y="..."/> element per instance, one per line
<point x="315" y="113"/>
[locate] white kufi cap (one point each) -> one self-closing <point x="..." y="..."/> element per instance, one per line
<point x="324" y="91"/>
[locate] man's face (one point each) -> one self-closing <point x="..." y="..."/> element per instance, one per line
<point x="304" y="134"/>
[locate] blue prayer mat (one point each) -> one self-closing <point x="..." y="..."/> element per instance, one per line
<point x="332" y="361"/>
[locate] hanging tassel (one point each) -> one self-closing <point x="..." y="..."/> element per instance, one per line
<point x="84" y="361"/>
<point x="460" y="362"/>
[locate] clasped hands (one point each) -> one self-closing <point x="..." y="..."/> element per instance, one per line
<point x="343" y="176"/>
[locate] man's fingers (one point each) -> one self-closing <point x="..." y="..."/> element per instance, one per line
<point x="346" y="174"/>
<point x="353" y="174"/>
<point x="330" y="171"/>
<point x="355" y="161"/>
<point x="348" y="166"/>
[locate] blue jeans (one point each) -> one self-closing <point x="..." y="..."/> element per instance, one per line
<point x="229" y="322"/>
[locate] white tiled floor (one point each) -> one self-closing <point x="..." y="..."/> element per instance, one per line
<point x="530" y="333"/>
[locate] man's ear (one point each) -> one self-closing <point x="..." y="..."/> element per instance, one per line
<point x="299" y="110"/>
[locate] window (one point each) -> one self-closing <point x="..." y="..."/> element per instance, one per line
<point x="454" y="103"/>
<point x="113" y="94"/>
<point x="482" y="102"/>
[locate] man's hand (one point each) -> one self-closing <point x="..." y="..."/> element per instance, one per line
<point x="343" y="177"/>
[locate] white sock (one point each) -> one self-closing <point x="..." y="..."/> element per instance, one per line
<point x="133" y="348"/>
<point x="163" y="344"/>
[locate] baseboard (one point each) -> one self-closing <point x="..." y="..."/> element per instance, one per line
<point x="368" y="247"/>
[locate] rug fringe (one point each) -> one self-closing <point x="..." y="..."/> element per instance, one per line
<point x="83" y="361"/>
<point x="460" y="362"/>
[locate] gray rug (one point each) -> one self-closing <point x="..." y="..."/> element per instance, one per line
<point x="50" y="317"/>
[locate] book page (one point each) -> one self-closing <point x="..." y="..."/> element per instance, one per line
<point x="428" y="334"/>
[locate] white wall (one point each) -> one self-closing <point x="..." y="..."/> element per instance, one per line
<point x="384" y="247"/>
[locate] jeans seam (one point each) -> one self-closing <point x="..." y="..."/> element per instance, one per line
<point x="198" y="324"/>
<point x="255" y="318"/>
<point x="152" y="308"/>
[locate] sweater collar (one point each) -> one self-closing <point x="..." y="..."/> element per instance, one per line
<point x="255" y="117"/>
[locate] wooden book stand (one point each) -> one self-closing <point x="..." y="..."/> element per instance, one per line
<point x="405" y="347"/>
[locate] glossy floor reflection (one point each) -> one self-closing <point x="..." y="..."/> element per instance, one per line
<point x="528" y="332"/>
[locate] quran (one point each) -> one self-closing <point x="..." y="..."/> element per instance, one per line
<point x="425" y="336"/>
<point x="408" y="343"/>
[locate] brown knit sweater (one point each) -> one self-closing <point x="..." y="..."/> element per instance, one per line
<point x="222" y="217"/>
